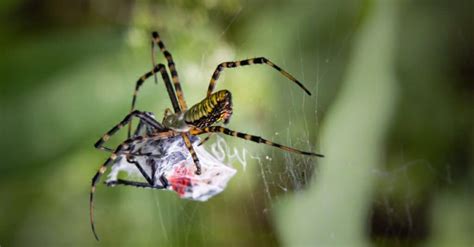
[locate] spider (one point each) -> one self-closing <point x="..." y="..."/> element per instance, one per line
<point x="216" y="107"/>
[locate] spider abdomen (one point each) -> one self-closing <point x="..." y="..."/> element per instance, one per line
<point x="214" y="108"/>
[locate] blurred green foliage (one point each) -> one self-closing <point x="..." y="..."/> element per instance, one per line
<point x="68" y="70"/>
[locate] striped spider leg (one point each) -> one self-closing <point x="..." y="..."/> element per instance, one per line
<point x="251" y="61"/>
<point x="171" y="66"/>
<point x="156" y="40"/>
<point x="257" y="139"/>
<point x="138" y="114"/>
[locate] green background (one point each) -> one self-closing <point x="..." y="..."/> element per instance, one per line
<point x="392" y="110"/>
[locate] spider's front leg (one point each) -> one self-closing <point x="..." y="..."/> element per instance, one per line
<point x="251" y="61"/>
<point x="172" y="67"/>
<point x="138" y="114"/>
<point x="158" y="68"/>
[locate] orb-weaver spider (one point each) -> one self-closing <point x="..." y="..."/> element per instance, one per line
<point x="199" y="119"/>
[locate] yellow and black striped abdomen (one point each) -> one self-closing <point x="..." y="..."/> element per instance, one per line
<point x="217" y="107"/>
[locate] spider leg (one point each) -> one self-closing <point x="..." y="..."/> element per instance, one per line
<point x="172" y="67"/>
<point x="257" y="139"/>
<point x="145" y="129"/>
<point x="142" y="116"/>
<point x="205" y="139"/>
<point x="95" y="179"/>
<point x="158" y="68"/>
<point x="153" y="59"/>
<point x="251" y="61"/>
<point x="119" y="151"/>
<point x="179" y="92"/>
<point x="189" y="145"/>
